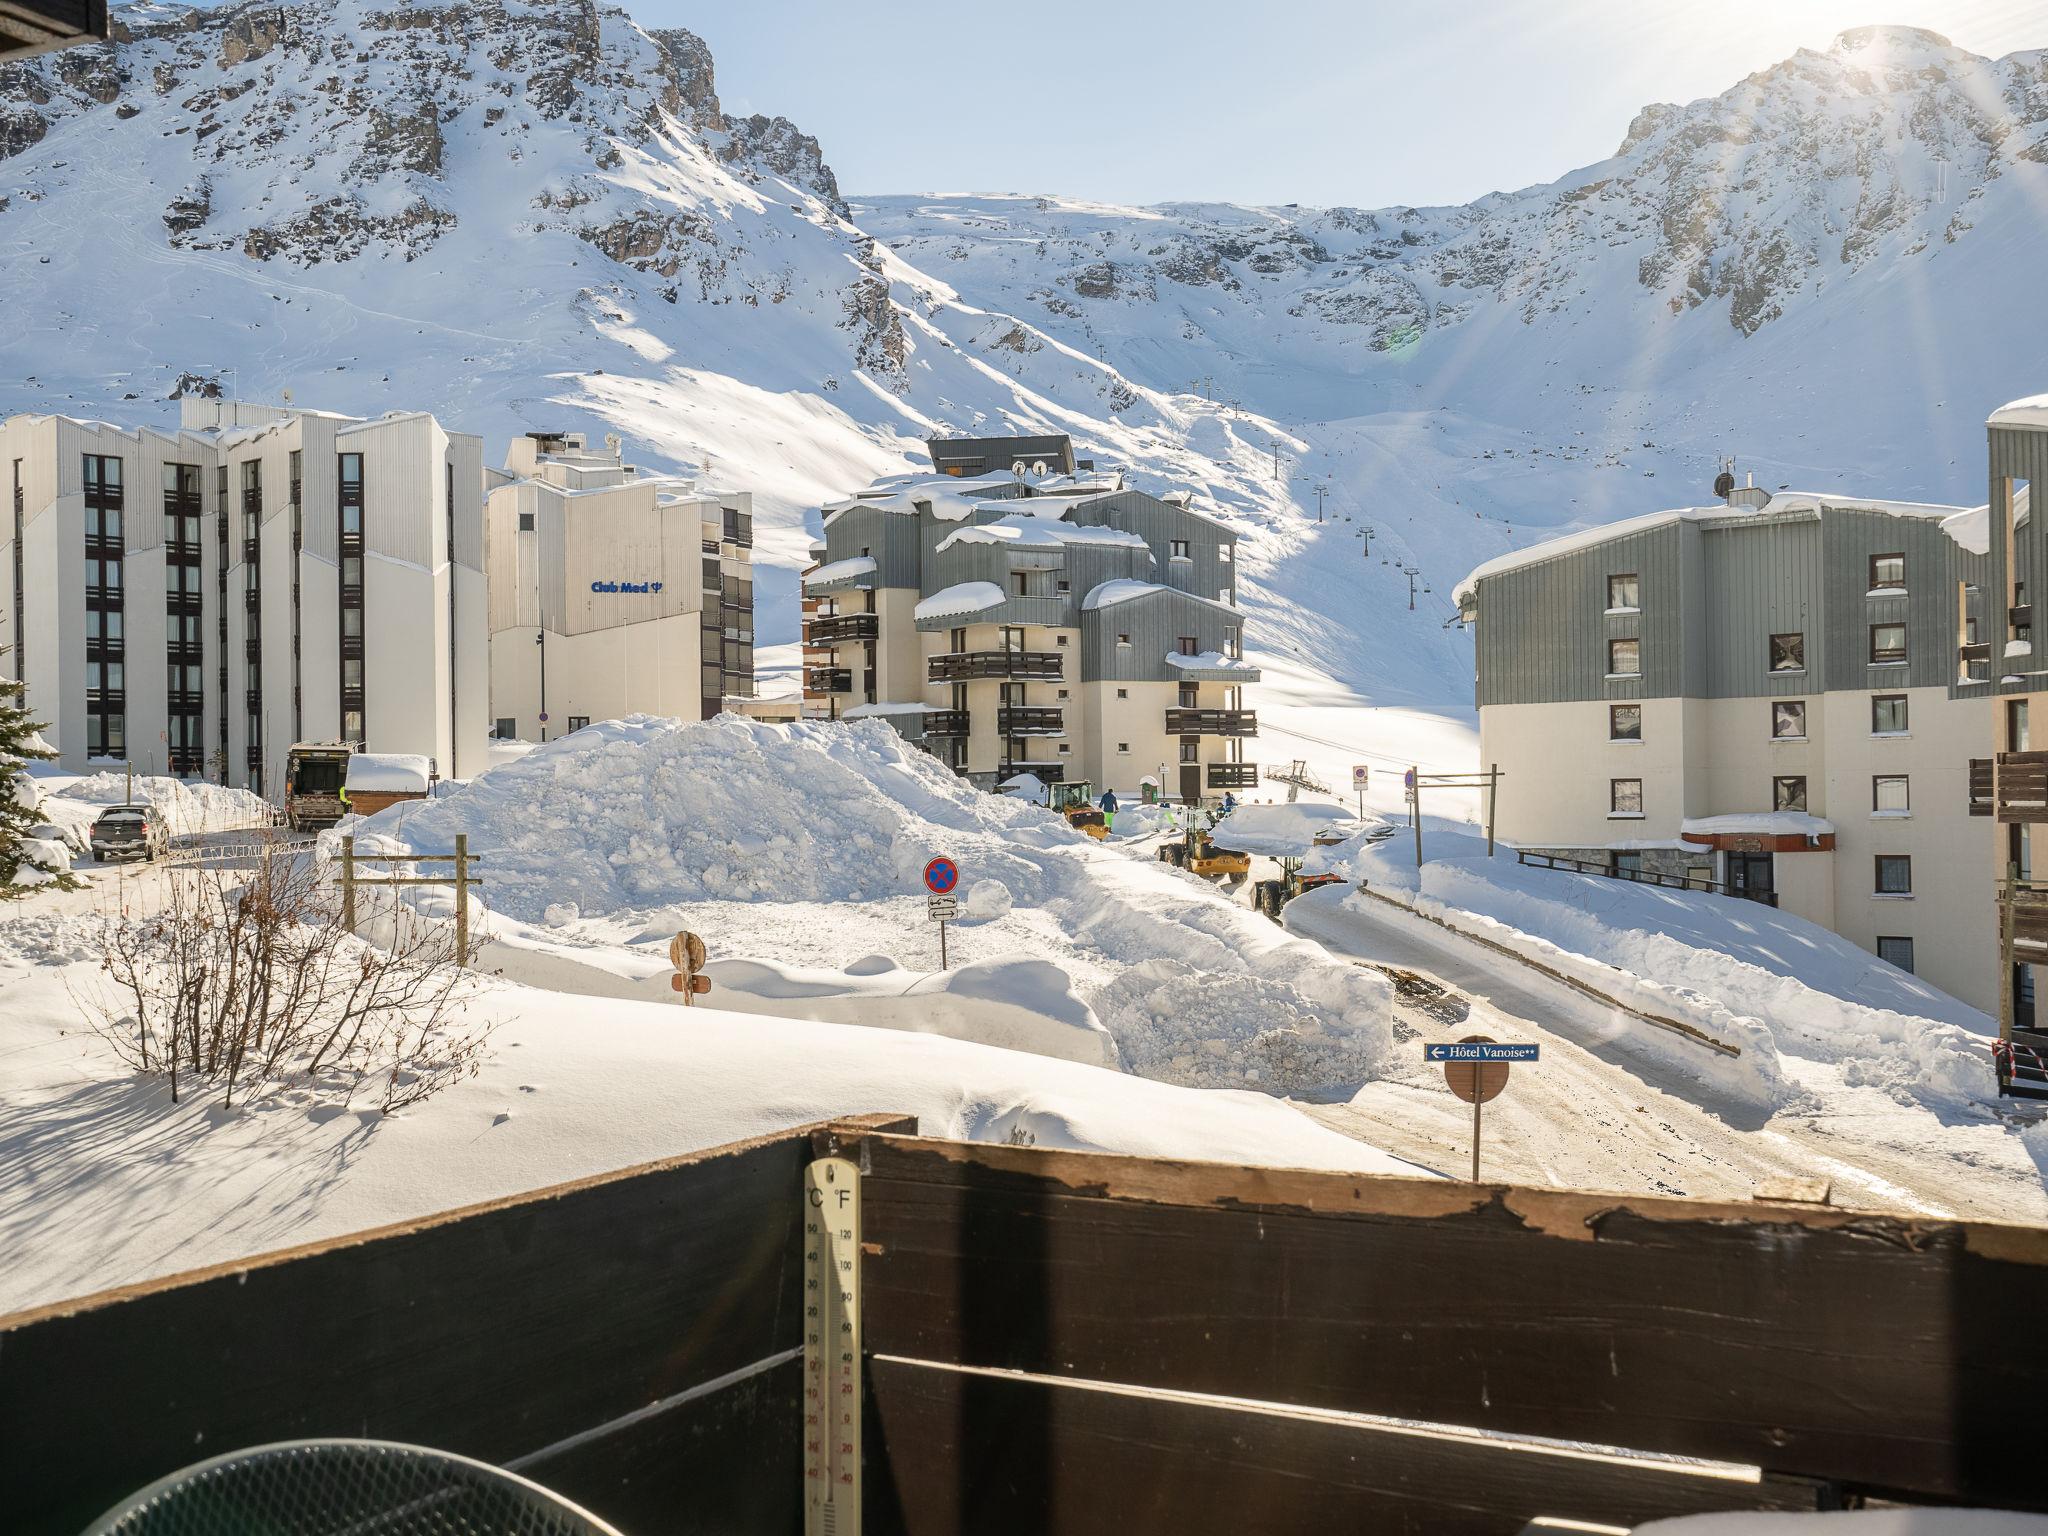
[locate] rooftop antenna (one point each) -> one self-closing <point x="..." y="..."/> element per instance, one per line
<point x="287" y="398"/>
<point x="614" y="444"/>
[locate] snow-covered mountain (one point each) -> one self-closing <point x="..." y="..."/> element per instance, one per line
<point x="538" y="214"/>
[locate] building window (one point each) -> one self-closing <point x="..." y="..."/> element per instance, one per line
<point x="1788" y="720"/>
<point x="1123" y="639"/>
<point x="1888" y="714"/>
<point x="1189" y="646"/>
<point x="1622" y="594"/>
<point x="1896" y="950"/>
<point x="1191" y="749"/>
<point x="1890" y="794"/>
<point x="1122" y="693"/>
<point x="1624" y="722"/>
<point x="1625" y="864"/>
<point x="1888" y="574"/>
<point x="1124" y="747"/>
<point x="1065" y="748"/>
<point x="1059" y="639"/>
<point x="1887" y="644"/>
<point x="1788" y="653"/>
<point x="578" y="722"/>
<point x="1063" y="587"/>
<point x="1177" y="549"/>
<point x="1624" y="658"/>
<point x="1788" y="793"/>
<point x="1894" y="874"/>
<point x="1624" y="797"/>
<point x="526" y="522"/>
<point x="507" y="728"/>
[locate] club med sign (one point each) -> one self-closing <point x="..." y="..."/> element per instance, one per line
<point x="625" y="586"/>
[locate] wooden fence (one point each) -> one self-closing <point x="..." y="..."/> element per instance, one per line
<point x="1061" y="1341"/>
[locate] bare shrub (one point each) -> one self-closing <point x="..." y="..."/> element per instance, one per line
<point x="243" y="981"/>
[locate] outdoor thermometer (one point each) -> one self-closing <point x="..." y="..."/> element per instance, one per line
<point x="832" y="1395"/>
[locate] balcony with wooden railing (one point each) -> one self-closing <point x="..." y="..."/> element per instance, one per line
<point x="1029" y="720"/>
<point x="829" y="679"/>
<point x="945" y="722"/>
<point x="1212" y="722"/>
<point x="837" y="628"/>
<point x="969" y="666"/>
<point x="1233" y="775"/>
<point x="2013" y="786"/>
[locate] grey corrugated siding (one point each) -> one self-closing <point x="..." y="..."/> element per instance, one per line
<point x="1712" y="593"/>
<point x="1204" y="572"/>
<point x="1155" y="624"/>
<point x="2017" y="454"/>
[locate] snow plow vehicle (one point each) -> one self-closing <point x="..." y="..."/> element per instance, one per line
<point x="1194" y="850"/>
<point x="1075" y="801"/>
<point x="1269" y="896"/>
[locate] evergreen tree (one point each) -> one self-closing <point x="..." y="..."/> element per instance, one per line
<point x="19" y="746"/>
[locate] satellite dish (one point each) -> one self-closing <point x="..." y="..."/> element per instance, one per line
<point x="1724" y="482"/>
<point x="1038" y="468"/>
<point x="614" y="443"/>
<point x="1017" y="467"/>
<point x="287" y="399"/>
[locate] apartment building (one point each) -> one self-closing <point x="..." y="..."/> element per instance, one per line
<point x="1064" y="626"/>
<point x="613" y="591"/>
<point x="195" y="601"/>
<point x="2004" y="674"/>
<point x="1760" y="695"/>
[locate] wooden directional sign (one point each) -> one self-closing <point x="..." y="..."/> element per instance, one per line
<point x="686" y="952"/>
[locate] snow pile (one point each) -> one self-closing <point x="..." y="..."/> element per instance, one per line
<point x="1290" y="831"/>
<point x="634" y="816"/>
<point x="388" y="773"/>
<point x="188" y="805"/>
<point x="1782" y="988"/>
<point x="839" y="571"/>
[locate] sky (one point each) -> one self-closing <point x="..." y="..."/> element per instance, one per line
<point x="1363" y="102"/>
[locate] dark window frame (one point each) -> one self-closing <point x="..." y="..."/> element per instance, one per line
<point x="1614" y="796"/>
<point x="1886" y="778"/>
<point x="1797" y="649"/>
<point x="1613" y="712"/>
<point x="1879" y="584"/>
<point x="1778" y="704"/>
<point x="1779" y="782"/>
<point x="1877" y="874"/>
<point x="1896" y="938"/>
<point x="1905" y="715"/>
<point x="1888" y="656"/>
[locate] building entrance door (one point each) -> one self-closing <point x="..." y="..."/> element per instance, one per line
<point x="1750" y="875"/>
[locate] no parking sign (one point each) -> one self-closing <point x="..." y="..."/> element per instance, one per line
<point x="941" y="875"/>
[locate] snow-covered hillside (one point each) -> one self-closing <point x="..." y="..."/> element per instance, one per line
<point x="538" y="214"/>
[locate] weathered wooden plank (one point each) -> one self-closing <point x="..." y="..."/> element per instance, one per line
<point x="493" y="1331"/>
<point x="1879" y="1351"/>
<point x="726" y="1464"/>
<point x="952" y="1452"/>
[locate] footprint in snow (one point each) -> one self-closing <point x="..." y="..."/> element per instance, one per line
<point x="501" y="1117"/>
<point x="529" y="1087"/>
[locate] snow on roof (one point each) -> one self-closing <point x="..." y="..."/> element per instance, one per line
<point x="1767" y="823"/>
<point x="965" y="597"/>
<point x="950" y="497"/>
<point x="1126" y="590"/>
<point x="397" y="773"/>
<point x="839" y="571"/>
<point x="2030" y="412"/>
<point x="1971" y="529"/>
<point x="1235" y="668"/>
<point x="876" y="711"/>
<point x="1783" y="503"/>
<point x="1037" y="530"/>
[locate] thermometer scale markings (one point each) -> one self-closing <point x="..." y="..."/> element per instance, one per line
<point x="832" y="1386"/>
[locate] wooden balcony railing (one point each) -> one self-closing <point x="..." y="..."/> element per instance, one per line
<point x="1980" y="786"/>
<point x="945" y="722"/>
<point x="829" y="679"/>
<point x="1233" y="776"/>
<point x="1212" y="722"/>
<point x="1029" y="720"/>
<point x="966" y="666"/>
<point x="841" y="627"/>
<point x="2020" y="786"/>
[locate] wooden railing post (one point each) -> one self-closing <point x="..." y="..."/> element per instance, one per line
<point x="462" y="898"/>
<point x="348" y="882"/>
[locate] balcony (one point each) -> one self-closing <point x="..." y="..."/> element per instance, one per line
<point x="945" y="722"/>
<point x="967" y="666"/>
<point x="1980" y="786"/>
<point x="829" y="679"/>
<point x="1973" y="662"/>
<point x="352" y="596"/>
<point x="2020" y="616"/>
<point x="253" y="697"/>
<point x="841" y="627"/>
<point x="1029" y="720"/>
<point x="252" y="599"/>
<point x="182" y="701"/>
<point x="1212" y="722"/>
<point x="251" y="549"/>
<point x="2018" y="791"/>
<point x="1052" y="772"/>
<point x="181" y="551"/>
<point x="1233" y="776"/>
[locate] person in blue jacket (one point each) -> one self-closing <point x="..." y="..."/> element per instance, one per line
<point x="1108" y="804"/>
<point x="1229" y="802"/>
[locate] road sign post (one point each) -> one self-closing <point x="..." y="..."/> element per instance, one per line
<point x="941" y="878"/>
<point x="686" y="954"/>
<point x="1476" y="1069"/>
<point x="1360" y="777"/>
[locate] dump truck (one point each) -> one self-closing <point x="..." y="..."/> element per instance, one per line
<point x="315" y="774"/>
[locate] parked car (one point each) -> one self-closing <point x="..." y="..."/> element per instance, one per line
<point x="129" y="832"/>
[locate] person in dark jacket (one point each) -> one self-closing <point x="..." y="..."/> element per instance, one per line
<point x="1108" y="804"/>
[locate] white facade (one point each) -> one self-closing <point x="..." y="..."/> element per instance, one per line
<point x="613" y="592"/>
<point x="195" y="601"/>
